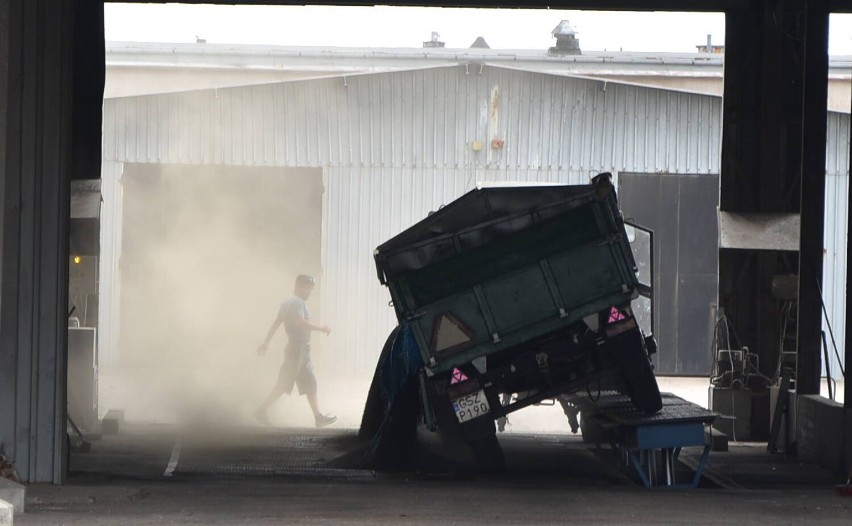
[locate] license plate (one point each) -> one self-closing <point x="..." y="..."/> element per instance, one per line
<point x="471" y="406"/>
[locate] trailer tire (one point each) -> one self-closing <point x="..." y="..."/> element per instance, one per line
<point x="484" y="450"/>
<point x="641" y="384"/>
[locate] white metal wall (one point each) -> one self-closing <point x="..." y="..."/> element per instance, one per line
<point x="836" y="213"/>
<point x="423" y="119"/>
<point x="108" y="286"/>
<point x="397" y="145"/>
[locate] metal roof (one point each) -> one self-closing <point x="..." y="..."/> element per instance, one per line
<point x="149" y="68"/>
<point x="205" y="55"/>
<point x="344" y="60"/>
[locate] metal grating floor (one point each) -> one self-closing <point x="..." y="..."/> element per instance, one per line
<point x="620" y="409"/>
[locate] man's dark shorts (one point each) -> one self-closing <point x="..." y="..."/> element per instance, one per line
<point x="297" y="370"/>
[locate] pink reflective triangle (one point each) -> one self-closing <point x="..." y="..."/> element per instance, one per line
<point x="615" y="315"/>
<point x="458" y="376"/>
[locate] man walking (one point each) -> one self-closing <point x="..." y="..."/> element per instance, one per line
<point x="296" y="369"/>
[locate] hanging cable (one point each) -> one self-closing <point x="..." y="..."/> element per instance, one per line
<point x="828" y="323"/>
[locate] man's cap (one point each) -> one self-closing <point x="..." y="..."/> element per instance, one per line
<point x="304" y="279"/>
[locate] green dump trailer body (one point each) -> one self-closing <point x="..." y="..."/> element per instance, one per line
<point x="507" y="297"/>
<point x="499" y="267"/>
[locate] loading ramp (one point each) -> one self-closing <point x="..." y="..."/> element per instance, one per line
<point x="649" y="444"/>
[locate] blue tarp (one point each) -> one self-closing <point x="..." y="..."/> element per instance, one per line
<point x="397" y="379"/>
<point x="400" y="365"/>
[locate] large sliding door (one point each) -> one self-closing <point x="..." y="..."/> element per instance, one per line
<point x="681" y="210"/>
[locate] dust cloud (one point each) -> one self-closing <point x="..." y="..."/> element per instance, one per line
<point x="208" y="254"/>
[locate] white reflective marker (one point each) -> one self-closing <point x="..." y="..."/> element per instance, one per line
<point x="173" y="461"/>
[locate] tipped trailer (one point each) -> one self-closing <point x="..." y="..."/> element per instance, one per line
<point x="506" y="297"/>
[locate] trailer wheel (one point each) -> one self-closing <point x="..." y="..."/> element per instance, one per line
<point x="634" y="368"/>
<point x="641" y="384"/>
<point x="479" y="446"/>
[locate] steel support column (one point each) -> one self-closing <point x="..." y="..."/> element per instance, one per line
<point x="39" y="107"/>
<point x="814" y="115"/>
<point x="847" y="389"/>
<point x="773" y="161"/>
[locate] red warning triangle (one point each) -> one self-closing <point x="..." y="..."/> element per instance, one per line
<point x="458" y="376"/>
<point x="615" y="315"/>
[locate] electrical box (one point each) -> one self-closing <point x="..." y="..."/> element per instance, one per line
<point x="734" y="407"/>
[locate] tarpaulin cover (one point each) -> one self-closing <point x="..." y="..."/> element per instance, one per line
<point x="401" y="365"/>
<point x="390" y="415"/>
<point x="503" y="210"/>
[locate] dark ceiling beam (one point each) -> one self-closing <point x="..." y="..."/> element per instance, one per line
<point x="594" y="5"/>
<point x="834" y="6"/>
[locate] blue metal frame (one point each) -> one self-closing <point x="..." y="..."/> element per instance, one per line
<point x="651" y="444"/>
<point x="669" y="435"/>
<point x="668" y="439"/>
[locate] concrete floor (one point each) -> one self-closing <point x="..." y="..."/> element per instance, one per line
<point x="229" y="470"/>
<point x="416" y="501"/>
<point x="252" y="475"/>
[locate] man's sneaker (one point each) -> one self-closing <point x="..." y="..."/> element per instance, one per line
<point x="324" y="420"/>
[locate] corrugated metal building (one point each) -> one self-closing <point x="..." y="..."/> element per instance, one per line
<point x="393" y="146"/>
<point x="836" y="213"/>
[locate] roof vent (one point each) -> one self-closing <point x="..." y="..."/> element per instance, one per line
<point x="711" y="47"/>
<point x="434" y="42"/>
<point x="566" y="40"/>
<point x="480" y="43"/>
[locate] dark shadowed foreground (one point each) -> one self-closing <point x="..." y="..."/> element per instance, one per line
<point x="261" y="476"/>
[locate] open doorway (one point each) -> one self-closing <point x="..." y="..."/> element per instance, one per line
<point x="393" y="137"/>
